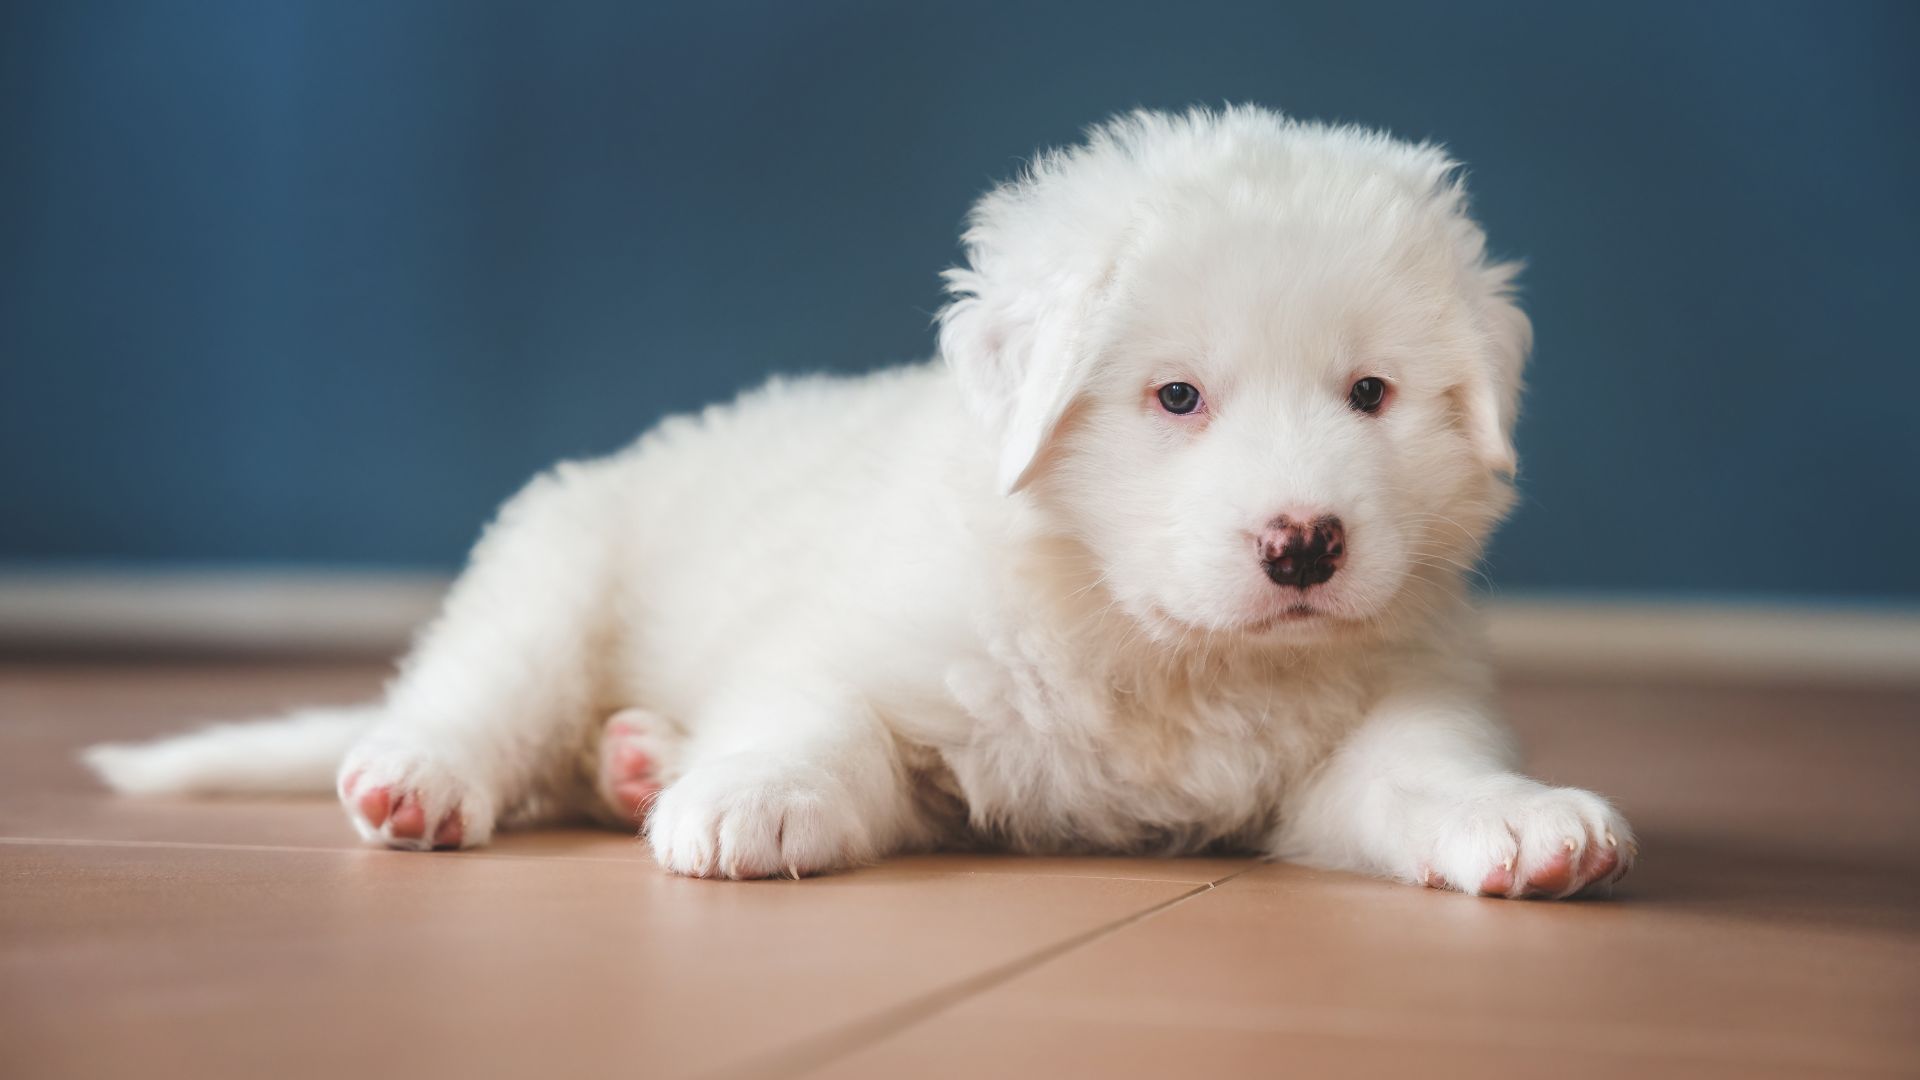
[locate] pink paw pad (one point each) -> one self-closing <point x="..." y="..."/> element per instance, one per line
<point x="630" y="763"/>
<point x="409" y="819"/>
<point x="1498" y="882"/>
<point x="1552" y="877"/>
<point x="1602" y="864"/>
<point x="374" y="803"/>
<point x="401" y="813"/>
<point x="1568" y="872"/>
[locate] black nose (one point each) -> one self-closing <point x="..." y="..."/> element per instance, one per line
<point x="1302" y="554"/>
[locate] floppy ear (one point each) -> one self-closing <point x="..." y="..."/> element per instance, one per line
<point x="1015" y="348"/>
<point x="1490" y="394"/>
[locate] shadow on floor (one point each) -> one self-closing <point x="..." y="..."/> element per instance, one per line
<point x="1736" y="877"/>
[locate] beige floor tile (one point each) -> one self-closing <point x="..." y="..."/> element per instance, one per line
<point x="205" y="962"/>
<point x="1772" y="929"/>
<point x="1815" y="768"/>
<point x="971" y="1043"/>
<point x="1289" y="965"/>
<point x="1194" y="871"/>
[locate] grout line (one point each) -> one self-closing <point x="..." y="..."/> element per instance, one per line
<point x="821" y="1050"/>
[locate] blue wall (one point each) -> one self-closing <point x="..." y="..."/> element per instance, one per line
<point x="322" y="282"/>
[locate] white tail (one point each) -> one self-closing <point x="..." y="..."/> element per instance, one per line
<point x="296" y="754"/>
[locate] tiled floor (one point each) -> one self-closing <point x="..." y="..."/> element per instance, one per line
<point x="1773" y="929"/>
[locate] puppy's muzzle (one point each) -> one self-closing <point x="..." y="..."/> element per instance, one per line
<point x="1303" y="554"/>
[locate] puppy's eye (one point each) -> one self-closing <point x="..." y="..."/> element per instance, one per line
<point x="1367" y="395"/>
<point x="1179" y="398"/>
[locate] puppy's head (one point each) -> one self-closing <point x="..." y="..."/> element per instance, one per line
<point x="1262" y="370"/>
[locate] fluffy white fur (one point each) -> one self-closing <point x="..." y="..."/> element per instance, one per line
<point x="1005" y="597"/>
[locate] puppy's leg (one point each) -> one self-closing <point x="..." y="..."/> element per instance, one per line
<point x="782" y="778"/>
<point x="1425" y="791"/>
<point x="488" y="715"/>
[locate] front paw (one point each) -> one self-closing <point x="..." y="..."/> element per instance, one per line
<point x="754" y="816"/>
<point x="1527" y="840"/>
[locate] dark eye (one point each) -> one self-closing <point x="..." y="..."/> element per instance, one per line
<point x="1179" y="398"/>
<point x="1367" y="395"/>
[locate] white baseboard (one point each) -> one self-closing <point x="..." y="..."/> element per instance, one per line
<point x="225" y="611"/>
<point x="369" y="613"/>
<point x="1749" y="643"/>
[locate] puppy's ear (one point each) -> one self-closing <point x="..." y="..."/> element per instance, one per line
<point x="1014" y="346"/>
<point x="1490" y="394"/>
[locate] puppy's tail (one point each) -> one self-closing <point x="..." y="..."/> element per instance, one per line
<point x="296" y="754"/>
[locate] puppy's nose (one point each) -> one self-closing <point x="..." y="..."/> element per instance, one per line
<point x="1302" y="553"/>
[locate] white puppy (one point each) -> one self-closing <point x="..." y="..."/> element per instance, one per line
<point x="1163" y="554"/>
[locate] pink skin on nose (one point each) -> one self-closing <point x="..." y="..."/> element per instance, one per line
<point x="1303" y="550"/>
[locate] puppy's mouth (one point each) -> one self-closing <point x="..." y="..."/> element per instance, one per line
<point x="1299" y="621"/>
<point x="1291" y="614"/>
